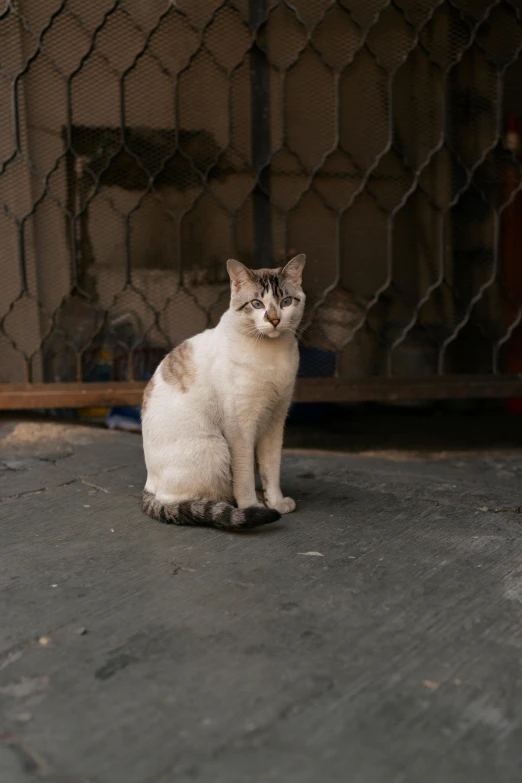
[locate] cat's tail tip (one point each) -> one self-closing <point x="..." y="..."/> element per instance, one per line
<point x="255" y="516"/>
<point x="209" y="513"/>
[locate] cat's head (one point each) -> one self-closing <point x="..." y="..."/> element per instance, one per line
<point x="267" y="302"/>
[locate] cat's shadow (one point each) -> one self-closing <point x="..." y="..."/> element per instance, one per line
<point x="262" y="530"/>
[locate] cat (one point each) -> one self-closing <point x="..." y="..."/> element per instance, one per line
<point x="218" y="402"/>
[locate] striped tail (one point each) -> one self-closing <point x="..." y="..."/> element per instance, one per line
<point x="208" y="513"/>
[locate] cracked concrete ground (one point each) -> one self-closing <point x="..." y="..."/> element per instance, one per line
<point x="374" y="636"/>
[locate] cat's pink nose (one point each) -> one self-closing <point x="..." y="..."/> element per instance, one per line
<point x="275" y="321"/>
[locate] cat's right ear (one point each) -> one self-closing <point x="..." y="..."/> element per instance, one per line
<point x="239" y="274"/>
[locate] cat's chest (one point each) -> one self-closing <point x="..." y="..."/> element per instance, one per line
<point x="259" y="377"/>
<point x="257" y="370"/>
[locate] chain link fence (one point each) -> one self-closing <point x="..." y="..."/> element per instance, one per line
<point x="144" y="142"/>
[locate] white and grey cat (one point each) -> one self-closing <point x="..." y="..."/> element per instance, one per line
<point x="218" y="402"/>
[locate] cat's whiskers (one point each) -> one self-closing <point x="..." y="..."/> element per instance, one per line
<point x="297" y="332"/>
<point x="254" y="334"/>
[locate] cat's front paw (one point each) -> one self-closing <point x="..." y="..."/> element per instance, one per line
<point x="284" y="506"/>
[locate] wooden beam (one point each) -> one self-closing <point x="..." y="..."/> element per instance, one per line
<point x="87" y="395"/>
<point x="449" y="387"/>
<point x="70" y="395"/>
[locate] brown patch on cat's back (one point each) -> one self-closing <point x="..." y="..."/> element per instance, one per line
<point x="146" y="397"/>
<point x="178" y="367"/>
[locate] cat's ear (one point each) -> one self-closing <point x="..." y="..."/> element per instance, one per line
<point x="239" y="274"/>
<point x="293" y="271"/>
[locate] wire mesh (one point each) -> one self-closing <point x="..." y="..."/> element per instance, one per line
<point x="144" y="142"/>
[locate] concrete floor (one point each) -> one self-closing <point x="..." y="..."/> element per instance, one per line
<point x="374" y="636"/>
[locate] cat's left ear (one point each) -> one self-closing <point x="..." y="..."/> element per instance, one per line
<point x="293" y="271"/>
<point x="239" y="273"/>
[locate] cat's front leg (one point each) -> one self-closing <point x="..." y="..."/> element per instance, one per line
<point x="243" y="475"/>
<point x="269" y="461"/>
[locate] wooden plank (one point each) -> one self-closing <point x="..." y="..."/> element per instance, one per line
<point x="83" y="395"/>
<point x="396" y="389"/>
<point x="69" y="395"/>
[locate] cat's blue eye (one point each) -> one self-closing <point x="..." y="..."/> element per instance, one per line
<point x="257" y="304"/>
<point x="287" y="301"/>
